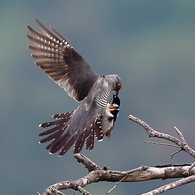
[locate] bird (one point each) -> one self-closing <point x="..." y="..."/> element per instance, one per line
<point x="114" y="106"/>
<point x="94" y="117"/>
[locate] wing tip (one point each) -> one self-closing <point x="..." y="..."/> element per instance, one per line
<point x="51" y="153"/>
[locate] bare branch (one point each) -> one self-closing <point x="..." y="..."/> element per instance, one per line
<point x="171" y="185"/>
<point x="83" y="191"/>
<point x="90" y="165"/>
<point x="180" y="134"/>
<point x="142" y="173"/>
<point x="152" y="133"/>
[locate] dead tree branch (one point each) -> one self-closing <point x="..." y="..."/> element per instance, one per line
<point x="152" y="133"/>
<point x="142" y="173"/>
<point x="171" y="185"/>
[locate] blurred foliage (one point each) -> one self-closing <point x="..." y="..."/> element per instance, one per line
<point x="150" y="44"/>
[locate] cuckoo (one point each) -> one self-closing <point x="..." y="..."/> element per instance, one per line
<point x="94" y="117"/>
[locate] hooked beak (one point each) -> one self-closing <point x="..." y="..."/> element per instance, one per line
<point x="117" y="92"/>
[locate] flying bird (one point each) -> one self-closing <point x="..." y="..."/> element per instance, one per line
<point x="94" y="117"/>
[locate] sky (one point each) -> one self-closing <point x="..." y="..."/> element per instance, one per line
<point x="149" y="44"/>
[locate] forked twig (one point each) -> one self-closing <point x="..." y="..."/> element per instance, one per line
<point x="152" y="133"/>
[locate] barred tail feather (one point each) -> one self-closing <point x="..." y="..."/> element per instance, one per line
<point x="79" y="142"/>
<point x="89" y="143"/>
<point x="52" y="130"/>
<point x="67" y="146"/>
<point x="59" y="143"/>
<point x="55" y="135"/>
<point x="63" y="119"/>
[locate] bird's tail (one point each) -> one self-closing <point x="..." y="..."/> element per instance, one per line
<point x="64" y="131"/>
<point x="62" y="139"/>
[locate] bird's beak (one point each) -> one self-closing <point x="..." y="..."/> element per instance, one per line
<point x="117" y="91"/>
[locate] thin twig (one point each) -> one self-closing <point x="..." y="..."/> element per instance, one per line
<point x="180" y="134"/>
<point x="83" y="191"/>
<point x="165" y="144"/>
<point x="171" y="185"/>
<point x="172" y="154"/>
<point x="115" y="185"/>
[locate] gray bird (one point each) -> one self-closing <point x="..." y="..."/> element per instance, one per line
<point x="93" y="117"/>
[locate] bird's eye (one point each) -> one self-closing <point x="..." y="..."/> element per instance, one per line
<point x="118" y="86"/>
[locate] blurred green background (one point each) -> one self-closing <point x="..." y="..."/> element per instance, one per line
<point x="150" y="44"/>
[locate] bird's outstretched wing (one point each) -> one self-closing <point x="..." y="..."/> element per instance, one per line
<point x="58" y="59"/>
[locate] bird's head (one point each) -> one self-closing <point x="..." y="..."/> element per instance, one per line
<point x="114" y="81"/>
